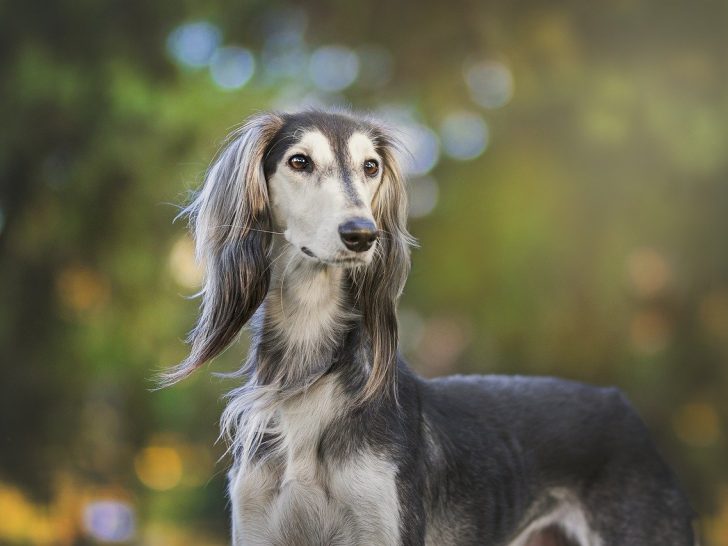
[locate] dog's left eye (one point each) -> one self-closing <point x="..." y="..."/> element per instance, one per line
<point x="371" y="167"/>
<point x="299" y="162"/>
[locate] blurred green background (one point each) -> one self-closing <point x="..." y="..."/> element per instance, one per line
<point x="569" y="190"/>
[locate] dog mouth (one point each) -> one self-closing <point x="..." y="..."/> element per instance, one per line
<point x="340" y="260"/>
<point x="347" y="262"/>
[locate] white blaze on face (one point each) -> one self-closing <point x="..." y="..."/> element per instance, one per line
<point x="361" y="149"/>
<point x="310" y="206"/>
<point x="301" y="201"/>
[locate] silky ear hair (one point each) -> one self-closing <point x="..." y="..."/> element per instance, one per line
<point x="381" y="285"/>
<point x="230" y="221"/>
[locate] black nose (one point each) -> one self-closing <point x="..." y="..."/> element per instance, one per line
<point x="358" y="234"/>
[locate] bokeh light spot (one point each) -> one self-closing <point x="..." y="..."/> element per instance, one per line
<point x="423" y="196"/>
<point x="232" y="67"/>
<point x="464" y="135"/>
<point x="82" y="289"/>
<point x="333" y="68"/>
<point x="490" y="83"/>
<point x="648" y="272"/>
<point x="423" y="146"/>
<point x="17" y="513"/>
<point x="159" y="467"/>
<point x="109" y="520"/>
<point x="182" y="264"/>
<point x="193" y="44"/>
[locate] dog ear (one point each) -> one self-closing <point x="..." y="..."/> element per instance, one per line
<point x="383" y="281"/>
<point x="230" y="220"/>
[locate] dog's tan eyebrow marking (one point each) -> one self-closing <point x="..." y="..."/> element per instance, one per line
<point x="331" y="153"/>
<point x="315" y="144"/>
<point x="305" y="140"/>
<point x="361" y="148"/>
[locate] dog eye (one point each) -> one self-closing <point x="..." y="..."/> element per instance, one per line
<point x="299" y="162"/>
<point x="371" y="167"/>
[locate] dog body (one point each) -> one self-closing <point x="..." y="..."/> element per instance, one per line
<point x="301" y="226"/>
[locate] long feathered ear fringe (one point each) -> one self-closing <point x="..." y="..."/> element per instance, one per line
<point x="230" y="220"/>
<point x="379" y="287"/>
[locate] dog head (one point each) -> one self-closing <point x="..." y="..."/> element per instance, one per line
<point x="330" y="184"/>
<point x="323" y="173"/>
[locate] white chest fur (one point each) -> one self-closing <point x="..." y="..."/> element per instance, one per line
<point x="300" y="496"/>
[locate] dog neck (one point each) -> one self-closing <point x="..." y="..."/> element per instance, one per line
<point x="306" y="327"/>
<point x="304" y="318"/>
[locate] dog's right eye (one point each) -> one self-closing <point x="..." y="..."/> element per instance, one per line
<point x="299" y="162"/>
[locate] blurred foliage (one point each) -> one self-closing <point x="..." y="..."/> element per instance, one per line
<point x="587" y="241"/>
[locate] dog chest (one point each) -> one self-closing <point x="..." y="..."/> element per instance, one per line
<point x="300" y="495"/>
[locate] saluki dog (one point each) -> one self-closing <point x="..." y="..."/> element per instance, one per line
<point x="301" y="227"/>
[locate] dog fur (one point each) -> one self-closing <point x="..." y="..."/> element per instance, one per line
<point x="335" y="440"/>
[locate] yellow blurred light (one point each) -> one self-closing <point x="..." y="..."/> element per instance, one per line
<point x="716" y="527"/>
<point x="648" y="272"/>
<point x="21" y="520"/>
<point x="17" y="513"/>
<point x="159" y="467"/>
<point x="57" y="522"/>
<point x="182" y="264"/>
<point x="697" y="424"/>
<point x="81" y="289"/>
